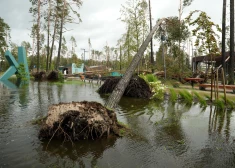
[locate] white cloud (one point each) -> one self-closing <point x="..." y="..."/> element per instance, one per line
<point x="100" y="19"/>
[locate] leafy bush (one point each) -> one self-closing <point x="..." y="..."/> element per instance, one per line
<point x="21" y="73"/>
<point x="156" y="86"/>
<point x="60" y="77"/>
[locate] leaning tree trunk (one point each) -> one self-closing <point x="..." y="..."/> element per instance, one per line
<point x="117" y="93"/>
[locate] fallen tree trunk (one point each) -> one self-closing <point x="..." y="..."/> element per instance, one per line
<point x="79" y="120"/>
<point x="117" y="93"/>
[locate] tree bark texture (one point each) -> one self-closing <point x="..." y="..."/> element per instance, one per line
<point x="38" y="35"/>
<point x="231" y="63"/>
<point x="151" y="43"/>
<point x="223" y="33"/>
<point x="117" y="93"/>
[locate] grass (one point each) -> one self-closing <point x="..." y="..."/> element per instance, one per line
<point x="173" y="95"/>
<point x="200" y="99"/>
<point x="124" y="130"/>
<point x="70" y="82"/>
<point x="203" y="96"/>
<point x="186" y="96"/>
<point x="219" y="104"/>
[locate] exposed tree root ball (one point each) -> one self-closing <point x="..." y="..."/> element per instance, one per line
<point x="39" y="76"/>
<point x="53" y="76"/>
<point x="79" y="120"/>
<point x="137" y="87"/>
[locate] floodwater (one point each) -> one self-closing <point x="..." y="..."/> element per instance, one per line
<point x="164" y="135"/>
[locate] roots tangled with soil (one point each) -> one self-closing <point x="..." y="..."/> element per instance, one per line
<point x="39" y="76"/>
<point x="79" y="120"/>
<point x="53" y="76"/>
<point x="137" y="87"/>
<point x="42" y="76"/>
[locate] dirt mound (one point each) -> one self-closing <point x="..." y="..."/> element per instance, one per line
<point x="39" y="76"/>
<point x="53" y="76"/>
<point x="79" y="120"/>
<point x="137" y="87"/>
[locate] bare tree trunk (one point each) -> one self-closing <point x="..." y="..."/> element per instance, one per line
<point x="38" y="35"/>
<point x="61" y="34"/>
<point x="60" y="42"/>
<point x="48" y="35"/>
<point x="224" y="33"/>
<point x="151" y="42"/>
<point x="231" y="63"/>
<point x="53" y="41"/>
<point x="117" y="93"/>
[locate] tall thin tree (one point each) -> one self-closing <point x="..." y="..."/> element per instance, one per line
<point x="151" y="42"/>
<point x="231" y="62"/>
<point x="224" y="33"/>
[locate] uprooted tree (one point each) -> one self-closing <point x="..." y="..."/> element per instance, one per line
<point x="79" y="120"/>
<point x="117" y="93"/>
<point x="90" y="120"/>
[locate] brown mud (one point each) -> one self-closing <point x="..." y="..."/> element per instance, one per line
<point x="79" y="120"/>
<point x="137" y="87"/>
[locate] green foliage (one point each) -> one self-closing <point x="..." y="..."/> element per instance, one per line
<point x="201" y="100"/>
<point x="204" y="31"/>
<point x="21" y="73"/>
<point x="219" y="104"/>
<point x="156" y="86"/>
<point x="60" y="77"/>
<point x="186" y="96"/>
<point x="230" y="104"/>
<point x="174" y="30"/>
<point x="135" y="15"/>
<point x="207" y="97"/>
<point x="4" y="33"/>
<point x="149" y="78"/>
<point x="173" y="95"/>
<point x="187" y="2"/>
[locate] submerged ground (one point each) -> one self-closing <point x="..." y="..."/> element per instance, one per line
<point x="163" y="134"/>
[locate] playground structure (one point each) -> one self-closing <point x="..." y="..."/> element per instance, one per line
<point x="14" y="65"/>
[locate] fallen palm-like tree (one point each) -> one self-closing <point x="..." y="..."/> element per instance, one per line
<point x="79" y="120"/>
<point x="137" y="87"/>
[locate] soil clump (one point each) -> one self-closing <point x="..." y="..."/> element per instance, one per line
<point x="137" y="87"/>
<point x="79" y="120"/>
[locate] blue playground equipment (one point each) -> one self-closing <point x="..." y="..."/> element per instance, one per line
<point x="14" y="65"/>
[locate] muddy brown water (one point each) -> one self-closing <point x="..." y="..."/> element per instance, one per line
<point x="164" y="134"/>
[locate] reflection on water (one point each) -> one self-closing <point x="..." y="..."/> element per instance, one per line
<point x="163" y="134"/>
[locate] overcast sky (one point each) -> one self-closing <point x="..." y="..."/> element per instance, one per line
<point x="99" y="19"/>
